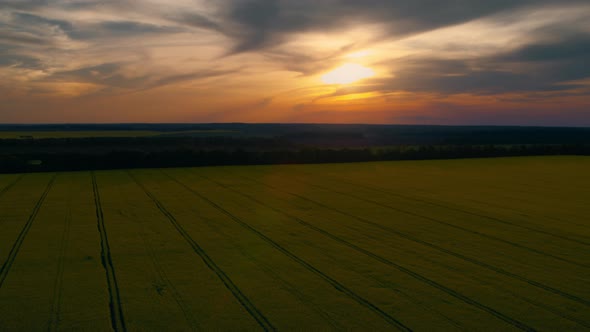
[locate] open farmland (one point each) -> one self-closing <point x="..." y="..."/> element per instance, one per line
<point x="483" y="244"/>
<point x="106" y="133"/>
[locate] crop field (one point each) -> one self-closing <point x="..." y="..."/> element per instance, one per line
<point x="482" y="244"/>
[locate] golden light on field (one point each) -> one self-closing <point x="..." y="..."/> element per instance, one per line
<point x="348" y="73"/>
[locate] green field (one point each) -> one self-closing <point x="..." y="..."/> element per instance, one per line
<point x="482" y="244"/>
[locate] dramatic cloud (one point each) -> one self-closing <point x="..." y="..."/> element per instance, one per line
<point x="541" y="66"/>
<point x="261" y="60"/>
<point x="260" y="23"/>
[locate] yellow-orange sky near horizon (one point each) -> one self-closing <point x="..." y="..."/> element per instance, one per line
<point x="469" y="62"/>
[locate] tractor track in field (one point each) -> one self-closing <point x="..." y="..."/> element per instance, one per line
<point x="337" y="285"/>
<point x="452" y="208"/>
<point x="467" y="230"/>
<point x="300" y="296"/>
<point x="11" y="184"/>
<point x="388" y="262"/>
<point x="443" y="250"/>
<point x="225" y="279"/>
<point x="288" y="286"/>
<point x="403" y="294"/>
<point x="585" y="324"/>
<point x="163" y="277"/>
<point x="522" y="213"/>
<point x="442" y="204"/>
<point x="115" y="306"/>
<point x="54" y="318"/>
<point x="23" y="233"/>
<point x="435" y="247"/>
<point x="495" y="206"/>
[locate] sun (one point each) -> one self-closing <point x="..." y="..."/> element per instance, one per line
<point x="348" y="73"/>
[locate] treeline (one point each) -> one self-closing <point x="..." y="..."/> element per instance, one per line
<point x="17" y="162"/>
<point x="144" y="143"/>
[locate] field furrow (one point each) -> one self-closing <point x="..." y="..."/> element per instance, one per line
<point x="78" y="258"/>
<point x="391" y="263"/>
<point x="530" y="298"/>
<point x="236" y="292"/>
<point x="462" y="224"/>
<point x="68" y="294"/>
<point x="464" y="263"/>
<point x="254" y="265"/>
<point x="162" y="281"/>
<point x="57" y="291"/>
<point x="492" y="245"/>
<point x="475" y="205"/>
<point x="344" y="263"/>
<point x="5" y="269"/>
<point x="9" y="182"/>
<point x="331" y="281"/>
<point x="116" y="310"/>
<point x="531" y="261"/>
<point x="492" y="184"/>
<point x="462" y="212"/>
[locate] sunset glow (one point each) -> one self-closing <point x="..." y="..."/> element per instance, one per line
<point x="347" y="73"/>
<point x="286" y="61"/>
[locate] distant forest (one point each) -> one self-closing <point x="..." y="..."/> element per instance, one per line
<point x="182" y="145"/>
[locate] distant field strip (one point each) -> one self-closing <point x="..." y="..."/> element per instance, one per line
<point x="457" y="245"/>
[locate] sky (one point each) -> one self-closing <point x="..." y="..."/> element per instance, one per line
<point x="447" y="62"/>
